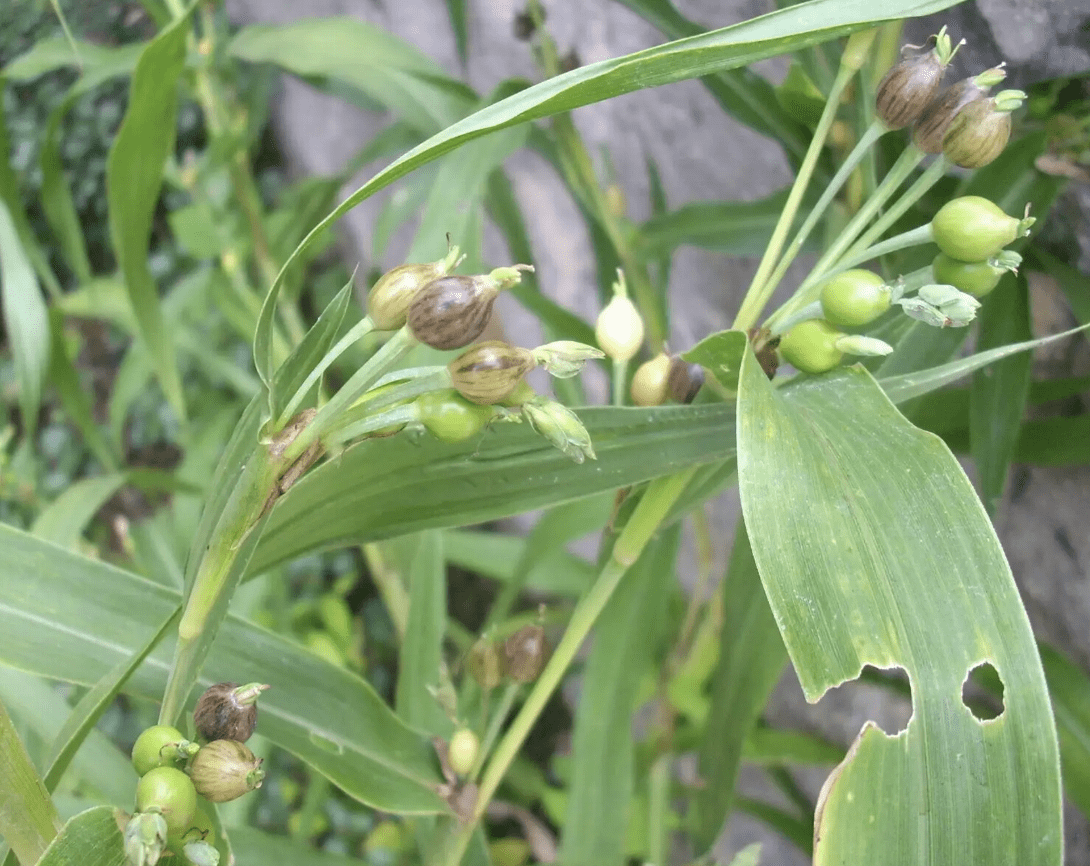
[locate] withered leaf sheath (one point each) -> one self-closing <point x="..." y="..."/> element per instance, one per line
<point x="488" y="372"/>
<point x="225" y="770"/>
<point x="684" y="380"/>
<point x="907" y="88"/>
<point x="940" y="112"/>
<point x="227" y="711"/>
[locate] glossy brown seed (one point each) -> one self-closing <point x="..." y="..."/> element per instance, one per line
<point x="907" y="88"/>
<point x="488" y="372"/>
<point x="684" y="380"/>
<point x="227" y="711"/>
<point x="526" y="651"/>
<point x="977" y="135"/>
<point x="451" y="312"/>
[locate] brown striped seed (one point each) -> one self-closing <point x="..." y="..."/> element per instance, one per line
<point x="488" y="372"/>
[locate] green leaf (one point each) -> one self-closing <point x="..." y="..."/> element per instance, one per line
<point x="1070" y="690"/>
<point x="25" y="320"/>
<point x="91" y="838"/>
<point x="456" y="9"/>
<point x="455" y="198"/>
<point x="95" y="62"/>
<point x="92" y="705"/>
<point x="386" y="487"/>
<point x="719" y="354"/>
<point x="906" y="386"/>
<point x="134" y="176"/>
<point x="253" y="848"/>
<point x="497" y="556"/>
<point x="99" y="767"/>
<point x="65" y="518"/>
<point x="421" y="670"/>
<point x="28" y="819"/>
<point x="751" y="660"/>
<point x="772" y="746"/>
<point x="798" y="830"/>
<point x="355" y="59"/>
<point x="73" y="397"/>
<point x="731" y="47"/>
<point x="603" y="750"/>
<point x="997" y="397"/>
<point x="867" y="533"/>
<point x="1054" y="442"/>
<point x="72" y="618"/>
<point x="558" y="323"/>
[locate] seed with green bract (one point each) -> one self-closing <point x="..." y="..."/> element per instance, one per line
<point x="907" y="88"/>
<point x="450" y="417"/>
<point x="389" y="299"/>
<point x="976" y="278"/>
<point x="171" y="793"/>
<point x="225" y="770"/>
<point x="451" y="312"/>
<point x="462" y="751"/>
<point x="810" y="346"/>
<point x="157" y="746"/>
<point x="972" y="229"/>
<point x="855" y="298"/>
<point x="979" y="133"/>
<point x="228" y="711"/>
<point x="489" y="372"/>
<point x="932" y="124"/>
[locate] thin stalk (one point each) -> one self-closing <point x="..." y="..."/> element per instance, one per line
<point x="495" y="725"/>
<point x="932" y="175"/>
<point x="760" y="288"/>
<point x="658" y="796"/>
<point x="390" y="587"/>
<point x="377" y="366"/>
<point x="645" y="520"/>
<point x="862" y="147"/>
<point x="359" y="330"/>
<point x="620" y="371"/>
<point x="901" y="169"/>
<point x="396" y="417"/>
<point x="911" y="238"/>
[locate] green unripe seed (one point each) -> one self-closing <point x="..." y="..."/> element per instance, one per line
<point x="169" y="792"/>
<point x="854" y="298"/>
<point x="810" y="346"/>
<point x="972" y="229"/>
<point x="449" y="417"/>
<point x="152" y="748"/>
<point x="974" y="278"/>
<point x="462" y="751"/>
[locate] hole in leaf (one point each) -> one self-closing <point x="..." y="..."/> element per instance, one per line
<point x="882" y="696"/>
<point x="982" y="692"/>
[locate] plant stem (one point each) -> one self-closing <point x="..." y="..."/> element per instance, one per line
<point x="913" y="194"/>
<point x="499" y="716"/>
<point x="377" y="365"/>
<point x="359" y="330"/>
<point x="760" y="288"/>
<point x="653" y="507"/>
<point x="862" y="147"/>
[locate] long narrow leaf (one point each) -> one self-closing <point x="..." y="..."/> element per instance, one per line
<point x="28" y="819"/>
<point x="603" y="749"/>
<point x="867" y="533"/>
<point x="134" y="176"/>
<point x="386" y="487"/>
<point x="25" y="319"/>
<point x="91" y="838"/>
<point x="751" y="660"/>
<point x="68" y="617"/>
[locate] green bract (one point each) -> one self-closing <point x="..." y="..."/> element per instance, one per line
<point x="975" y="278"/>
<point x="151" y="748"/>
<point x="169" y="792"/>
<point x="810" y="346"/>
<point x="854" y="298"/>
<point x="971" y="228"/>
<point x="450" y="417"/>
